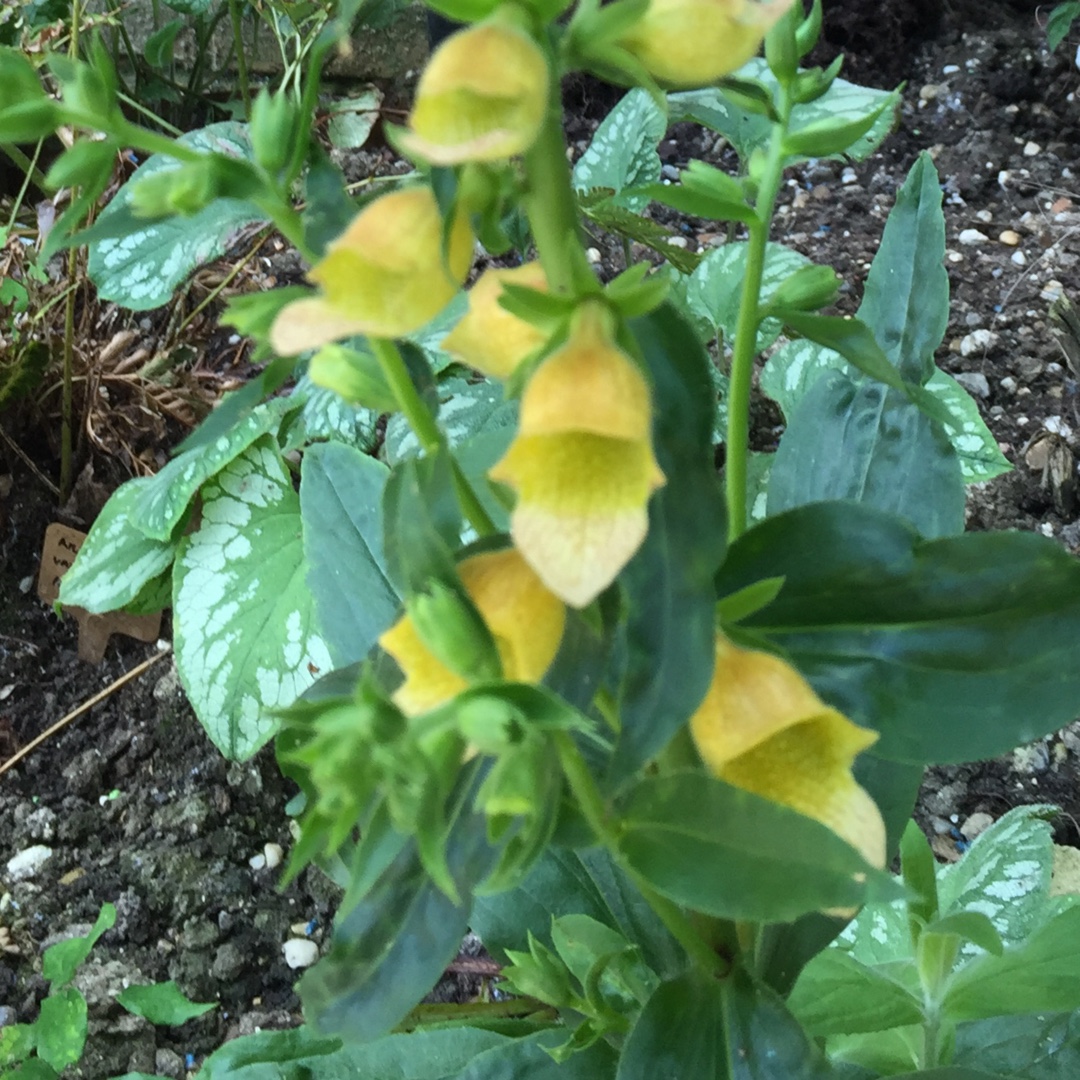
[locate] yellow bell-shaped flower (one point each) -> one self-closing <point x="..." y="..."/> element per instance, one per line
<point x="762" y="728"/>
<point x="582" y="463"/>
<point x="481" y="97"/>
<point x="385" y="276"/>
<point x="488" y="337"/>
<point x="695" y="42"/>
<point x="524" y="618"/>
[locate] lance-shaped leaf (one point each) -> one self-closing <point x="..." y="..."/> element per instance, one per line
<point x="667" y="585"/>
<point x="389" y="950"/>
<point x="952" y="649"/>
<point x="752" y="858"/>
<point x="699" y="1028"/>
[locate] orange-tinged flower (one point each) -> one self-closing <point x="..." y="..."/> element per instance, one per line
<point x="762" y="728"/>
<point x="481" y="97"/>
<point x="525" y="619"/>
<point x="582" y="463"/>
<point x="489" y="338"/>
<point x="385" y="276"/>
<point x="696" y="42"/>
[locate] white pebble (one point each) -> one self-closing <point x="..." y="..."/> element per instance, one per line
<point x="273" y="854"/>
<point x="1032" y="149"/>
<point x="1019" y="258"/>
<point x="985" y="216"/>
<point x="593" y="255"/>
<point x="1052" y="290"/>
<point x="300" y="952"/>
<point x="1057" y="426"/>
<point x="978" y="341"/>
<point x="950" y="69"/>
<point x="1010" y="237"/>
<point x="1008" y="384"/>
<point x="848" y="176"/>
<point x="28" y="862"/>
<point x="257" y="862"/>
<point x="972" y="236"/>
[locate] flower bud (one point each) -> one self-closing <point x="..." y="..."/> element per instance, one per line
<point x="481" y="97"/>
<point x="385" y="276"/>
<point x="696" y="42"/>
<point x="489" y="338"/>
<point x="762" y="728"/>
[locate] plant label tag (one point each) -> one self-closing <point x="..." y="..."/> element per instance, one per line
<point x="58" y="553"/>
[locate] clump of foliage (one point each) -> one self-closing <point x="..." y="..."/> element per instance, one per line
<point x="653" y="733"/>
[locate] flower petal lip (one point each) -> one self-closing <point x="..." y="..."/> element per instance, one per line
<point x="582" y="507"/>
<point x="762" y="728"/>
<point x="489" y="338"/>
<point x="695" y="42"/>
<point x="385" y="276"/>
<point x="482" y="97"/>
<point x="525" y="619"/>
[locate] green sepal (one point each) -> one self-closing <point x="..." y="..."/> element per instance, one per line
<point x="809" y="29"/>
<point x="273" y="127"/>
<point x="816" y="82"/>
<point x="751" y="96"/>
<point x="748" y="601"/>
<point x="824" y="137"/>
<point x="781" y="47"/>
<point x="454" y="631"/>
<point x="636" y="292"/>
<point x="85" y="162"/>
<point x="918" y="869"/>
<point x="539" y="974"/>
<point x="807" y="289"/>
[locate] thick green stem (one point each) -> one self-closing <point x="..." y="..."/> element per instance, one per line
<point x="745" y="348"/>
<point x="589" y="801"/>
<point x="422" y="421"/>
<point x="550" y="203"/>
<point x="241" y="59"/>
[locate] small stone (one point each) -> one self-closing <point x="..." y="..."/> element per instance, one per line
<point x="849" y="176"/>
<point x="929" y="92"/>
<point x="273" y="854"/>
<point x="950" y="69"/>
<point x="1009" y="237"/>
<point x="1030" y="367"/>
<point x="300" y="952"/>
<point x="1019" y="258"/>
<point x="229" y="961"/>
<point x="1052" y="290"/>
<point x="1033" y="758"/>
<point x="954" y="257"/>
<point x="678" y="241"/>
<point x="1008" y="384"/>
<point x="975" y="383"/>
<point x="28" y="862"/>
<point x="977" y="823"/>
<point x="1065" y="877"/>
<point x="1032" y="149"/>
<point x="169" y="1063"/>
<point x="257" y="862"/>
<point x="1054" y="368"/>
<point x="985" y="216"/>
<point x="972" y="236"/>
<point x="593" y="255"/>
<point x="1057" y="426"/>
<point x="978" y="341"/>
<point x="9" y="1016"/>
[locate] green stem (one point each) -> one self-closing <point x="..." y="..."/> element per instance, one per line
<point x="589" y="801"/>
<point x="737" y="446"/>
<point x="549" y="200"/>
<point x="241" y="59"/>
<point x="422" y="421"/>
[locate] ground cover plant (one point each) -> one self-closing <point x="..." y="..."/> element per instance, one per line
<point x="653" y="736"/>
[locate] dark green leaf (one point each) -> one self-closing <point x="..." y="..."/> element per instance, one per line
<point x="697" y="1028"/>
<point x="598" y="206"/>
<point x="670" y="634"/>
<point x="786" y="948"/>
<point x="1059" y="23"/>
<point x="1037" y="1047"/>
<point x="61" y="960"/>
<point x="162" y="1003"/>
<point x="390" y="949"/>
<point x="954" y="649"/>
<point x="865" y="442"/>
<point x="906" y="300"/>
<point x="894" y="787"/>
<point x="753" y="859"/>
<point x="836" y="995"/>
<point x="61" y="1028"/>
<point x="565" y="882"/>
<point x="341" y="494"/>
<point x="702" y="204"/>
<point x="329" y="208"/>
